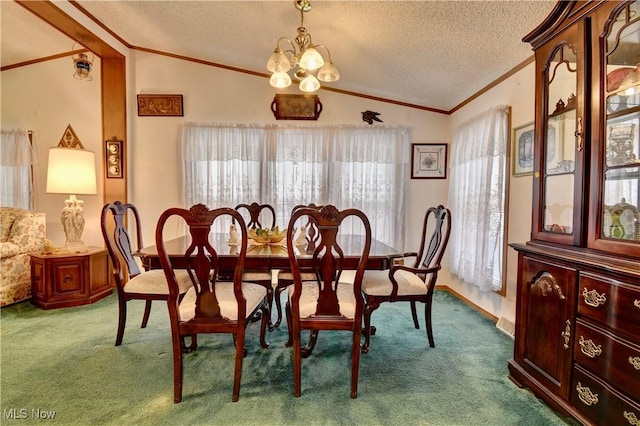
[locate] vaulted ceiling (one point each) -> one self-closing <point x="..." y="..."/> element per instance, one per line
<point x="434" y="54"/>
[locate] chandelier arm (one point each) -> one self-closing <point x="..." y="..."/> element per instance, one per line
<point x="293" y="50"/>
<point x="325" y="48"/>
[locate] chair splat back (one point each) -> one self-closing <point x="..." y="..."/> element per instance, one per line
<point x="431" y="253"/>
<point x="255" y="210"/>
<point x="201" y="258"/>
<point x="121" y="240"/>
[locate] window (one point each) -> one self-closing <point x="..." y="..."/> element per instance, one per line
<point x="348" y="166"/>
<point x="477" y="196"/>
<point x="16" y="177"/>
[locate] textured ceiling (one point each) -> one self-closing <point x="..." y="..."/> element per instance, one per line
<point x="434" y="54"/>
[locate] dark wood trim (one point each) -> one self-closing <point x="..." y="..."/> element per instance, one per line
<point x="44" y="59"/>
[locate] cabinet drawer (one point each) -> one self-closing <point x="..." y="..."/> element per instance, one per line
<point x="610" y="302"/>
<point x="600" y="403"/>
<point x="616" y="360"/>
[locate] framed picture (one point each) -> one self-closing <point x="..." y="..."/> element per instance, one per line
<point x="114" y="158"/>
<point x="429" y="161"/>
<point x="160" y="106"/>
<point x="296" y="107"/>
<point x="522" y="149"/>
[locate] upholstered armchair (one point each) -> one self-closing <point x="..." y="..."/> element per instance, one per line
<point x="21" y="232"/>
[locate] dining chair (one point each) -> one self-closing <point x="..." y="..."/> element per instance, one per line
<point x="285" y="278"/>
<point x="413" y="282"/>
<point x="132" y="283"/>
<point x="325" y="303"/>
<point x="211" y="305"/>
<point x="253" y="221"/>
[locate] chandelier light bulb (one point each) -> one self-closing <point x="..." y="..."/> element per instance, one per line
<point x="278" y="61"/>
<point x="280" y="80"/>
<point x="311" y="59"/>
<point x="329" y="72"/>
<point x="309" y="84"/>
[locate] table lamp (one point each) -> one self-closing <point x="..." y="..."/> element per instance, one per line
<point x="72" y="171"/>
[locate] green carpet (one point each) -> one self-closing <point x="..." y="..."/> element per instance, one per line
<point x="64" y="361"/>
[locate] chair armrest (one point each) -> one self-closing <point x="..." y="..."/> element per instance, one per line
<point x="403" y="255"/>
<point x="8" y="249"/>
<point x="414" y="270"/>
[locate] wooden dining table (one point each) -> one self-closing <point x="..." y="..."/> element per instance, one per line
<point x="267" y="256"/>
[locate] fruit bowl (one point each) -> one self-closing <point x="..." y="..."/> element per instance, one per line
<point x="261" y="236"/>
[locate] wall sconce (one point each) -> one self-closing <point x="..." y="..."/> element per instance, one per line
<point x="72" y="171"/>
<point x="82" y="66"/>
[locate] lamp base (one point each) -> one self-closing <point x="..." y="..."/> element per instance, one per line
<point x="72" y="219"/>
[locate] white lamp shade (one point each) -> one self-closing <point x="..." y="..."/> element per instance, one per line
<point x="311" y="59"/>
<point x="71" y="171"/>
<point x="328" y="72"/>
<point x="280" y="80"/>
<point x="309" y="84"/>
<point x="278" y="61"/>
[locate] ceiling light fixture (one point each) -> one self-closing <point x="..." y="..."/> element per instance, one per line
<point x="304" y="56"/>
<point x="82" y="65"/>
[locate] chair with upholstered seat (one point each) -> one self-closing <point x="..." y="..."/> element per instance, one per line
<point x="285" y="278"/>
<point x="257" y="214"/>
<point x="410" y="283"/>
<point x="211" y="305"/>
<point x="326" y="303"/>
<point x="132" y="283"/>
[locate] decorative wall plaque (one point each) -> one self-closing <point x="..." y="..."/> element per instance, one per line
<point x="69" y="139"/>
<point x="114" y="158"/>
<point x="296" y="107"/>
<point x="160" y="105"/>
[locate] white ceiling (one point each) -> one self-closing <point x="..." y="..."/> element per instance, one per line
<point x="435" y="54"/>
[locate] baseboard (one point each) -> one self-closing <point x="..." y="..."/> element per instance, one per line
<point x="468" y="302"/>
<point x="506" y="326"/>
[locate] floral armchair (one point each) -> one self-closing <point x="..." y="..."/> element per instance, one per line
<point x="21" y="232"/>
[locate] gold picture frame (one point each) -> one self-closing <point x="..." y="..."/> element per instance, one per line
<point x="160" y="106"/>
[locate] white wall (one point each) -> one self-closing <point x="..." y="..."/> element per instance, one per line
<point x="45" y="98"/>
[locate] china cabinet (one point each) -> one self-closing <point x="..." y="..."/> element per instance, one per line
<point x="577" y="340"/>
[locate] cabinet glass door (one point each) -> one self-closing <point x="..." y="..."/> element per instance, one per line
<point x="620" y="220"/>
<point x="560" y="144"/>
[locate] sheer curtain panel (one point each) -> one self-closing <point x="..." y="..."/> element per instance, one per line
<point x="17" y="156"/>
<point x="477" y="198"/>
<point x="348" y="166"/>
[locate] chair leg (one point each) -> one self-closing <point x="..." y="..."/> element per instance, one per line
<point x="427" y="317"/>
<point x="289" y="342"/>
<point x="270" y="305"/>
<point x="177" y="369"/>
<point x="368" y="329"/>
<point x="147" y="312"/>
<point x="276" y="296"/>
<point x="297" y="361"/>
<point x="122" y="319"/>
<point x="414" y="315"/>
<point x="308" y="348"/>
<point x="355" y="362"/>
<point x="237" y="374"/>
<point x="266" y="315"/>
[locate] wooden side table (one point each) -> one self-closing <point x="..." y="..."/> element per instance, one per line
<point x="70" y="279"/>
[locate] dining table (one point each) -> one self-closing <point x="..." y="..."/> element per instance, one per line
<point x="270" y="256"/>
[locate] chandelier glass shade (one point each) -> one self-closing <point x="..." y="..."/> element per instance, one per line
<point x="309" y="66"/>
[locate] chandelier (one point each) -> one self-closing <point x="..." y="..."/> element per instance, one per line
<point x="303" y="58"/>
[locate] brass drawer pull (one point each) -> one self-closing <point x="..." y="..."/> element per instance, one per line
<point x="631" y="417"/>
<point x="566" y="334"/>
<point x="636" y="303"/>
<point x="592" y="298"/>
<point x="586" y="396"/>
<point x="635" y="362"/>
<point x="589" y="348"/>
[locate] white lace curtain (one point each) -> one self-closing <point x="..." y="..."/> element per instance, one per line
<point x="348" y="166"/>
<point x="17" y="155"/>
<point x="477" y="198"/>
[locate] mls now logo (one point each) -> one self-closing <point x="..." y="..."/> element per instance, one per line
<point x="23" y="413"/>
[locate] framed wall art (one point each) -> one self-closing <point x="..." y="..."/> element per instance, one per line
<point x="296" y="107"/>
<point x="429" y="161"/>
<point x="522" y="149"/>
<point x="160" y="106"/>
